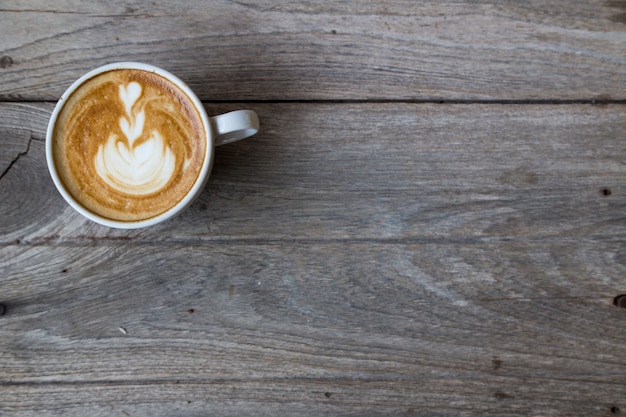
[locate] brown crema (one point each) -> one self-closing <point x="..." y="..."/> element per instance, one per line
<point x="128" y="144"/>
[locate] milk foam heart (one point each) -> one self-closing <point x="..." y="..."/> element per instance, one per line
<point x="129" y="144"/>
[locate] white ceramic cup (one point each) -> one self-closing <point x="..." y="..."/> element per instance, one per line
<point x="221" y="129"/>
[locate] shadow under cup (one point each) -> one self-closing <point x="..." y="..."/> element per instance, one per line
<point x="129" y="145"/>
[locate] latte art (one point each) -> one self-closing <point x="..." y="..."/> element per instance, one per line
<point x="142" y="169"/>
<point x="129" y="144"/>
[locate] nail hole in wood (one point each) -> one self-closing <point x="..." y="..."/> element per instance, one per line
<point x="328" y="394"/>
<point x="620" y="301"/>
<point x="499" y="395"/>
<point x="606" y="192"/>
<point x="615" y="410"/>
<point x="6" y="62"/>
<point x="3" y="309"/>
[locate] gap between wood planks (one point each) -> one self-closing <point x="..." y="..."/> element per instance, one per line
<point x="221" y="241"/>
<point x="531" y="102"/>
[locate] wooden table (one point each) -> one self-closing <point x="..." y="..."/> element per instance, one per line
<point x="431" y="221"/>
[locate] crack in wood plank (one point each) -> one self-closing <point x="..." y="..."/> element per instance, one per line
<point x="17" y="158"/>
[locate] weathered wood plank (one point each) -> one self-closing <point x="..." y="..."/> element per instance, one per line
<point x="261" y="50"/>
<point x="366" y="171"/>
<point x="370" y="255"/>
<point x="216" y="328"/>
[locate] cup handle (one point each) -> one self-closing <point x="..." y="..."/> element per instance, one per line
<point x="234" y="126"/>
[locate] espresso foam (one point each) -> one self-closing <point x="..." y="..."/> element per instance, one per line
<point x="128" y="144"/>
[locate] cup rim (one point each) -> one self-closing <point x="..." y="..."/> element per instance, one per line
<point x="191" y="195"/>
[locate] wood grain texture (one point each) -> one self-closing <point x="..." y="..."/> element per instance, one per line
<point x="264" y="50"/>
<point x="429" y="223"/>
<point x="418" y="172"/>
<point x="333" y="328"/>
<point x="442" y="259"/>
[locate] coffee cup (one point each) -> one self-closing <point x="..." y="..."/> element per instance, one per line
<point x="129" y="145"/>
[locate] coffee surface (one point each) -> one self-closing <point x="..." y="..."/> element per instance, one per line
<point x="128" y="144"/>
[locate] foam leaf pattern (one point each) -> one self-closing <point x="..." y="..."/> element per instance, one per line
<point x="134" y="169"/>
<point x="129" y="95"/>
<point x="133" y="129"/>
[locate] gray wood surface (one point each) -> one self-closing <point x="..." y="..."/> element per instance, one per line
<point x="416" y="172"/>
<point x="231" y="328"/>
<point x="370" y="252"/>
<point x="372" y="49"/>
